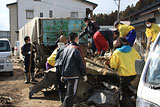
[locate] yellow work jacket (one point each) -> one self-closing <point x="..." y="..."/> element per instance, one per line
<point x="124" y="30"/>
<point x="51" y="59"/>
<point x="123" y="60"/>
<point x="153" y="31"/>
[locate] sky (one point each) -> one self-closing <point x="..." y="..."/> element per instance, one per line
<point x="4" y="14"/>
<point x="107" y="6"/>
<point x="104" y="6"/>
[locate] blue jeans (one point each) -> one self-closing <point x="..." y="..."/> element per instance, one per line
<point x="131" y="37"/>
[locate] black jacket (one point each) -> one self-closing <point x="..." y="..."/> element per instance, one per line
<point x="25" y="49"/>
<point x="73" y="63"/>
<point x="90" y="29"/>
<point x="108" y="35"/>
<point x="59" y="56"/>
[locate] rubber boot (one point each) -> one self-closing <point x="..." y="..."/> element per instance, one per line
<point x="26" y="78"/>
<point x="61" y="97"/>
<point x="33" y="78"/>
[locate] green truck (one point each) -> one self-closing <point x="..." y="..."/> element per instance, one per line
<point x="44" y="33"/>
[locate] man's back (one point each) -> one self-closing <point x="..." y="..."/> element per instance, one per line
<point x="73" y="64"/>
<point x="108" y="35"/>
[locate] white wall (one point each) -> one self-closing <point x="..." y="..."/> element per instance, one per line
<point x="29" y="29"/>
<point x="13" y="23"/>
<point x="60" y="8"/>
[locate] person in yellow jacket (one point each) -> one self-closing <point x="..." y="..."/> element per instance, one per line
<point x="152" y="30"/>
<point x="126" y="31"/>
<point x="123" y="61"/>
<point x="51" y="59"/>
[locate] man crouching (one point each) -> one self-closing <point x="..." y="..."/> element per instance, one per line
<point x="72" y="68"/>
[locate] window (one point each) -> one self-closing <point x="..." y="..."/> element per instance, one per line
<point x="4" y="46"/>
<point x="50" y="13"/>
<point x="29" y="14"/>
<point x="41" y="14"/>
<point x="74" y="14"/>
<point x="36" y="0"/>
<point x="153" y="74"/>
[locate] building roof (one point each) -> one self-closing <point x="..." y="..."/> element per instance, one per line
<point x="94" y="4"/>
<point x="11" y="4"/>
<point x="4" y="31"/>
<point x="145" y="10"/>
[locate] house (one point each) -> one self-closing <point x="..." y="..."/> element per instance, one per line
<point x="23" y="11"/>
<point x="5" y="34"/>
<point x="138" y="21"/>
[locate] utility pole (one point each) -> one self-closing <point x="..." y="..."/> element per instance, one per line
<point x="118" y="4"/>
<point x="118" y="14"/>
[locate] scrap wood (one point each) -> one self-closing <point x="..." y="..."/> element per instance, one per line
<point x="96" y="66"/>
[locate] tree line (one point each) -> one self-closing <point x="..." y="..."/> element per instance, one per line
<point x="109" y="19"/>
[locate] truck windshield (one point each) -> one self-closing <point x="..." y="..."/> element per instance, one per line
<point x="4" y="46"/>
<point x="153" y="74"/>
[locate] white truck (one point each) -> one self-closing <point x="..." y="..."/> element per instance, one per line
<point x="6" y="64"/>
<point x="148" y="94"/>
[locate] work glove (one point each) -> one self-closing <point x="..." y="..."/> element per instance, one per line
<point x="62" y="79"/>
<point x="85" y="78"/>
<point x="29" y="52"/>
<point x="34" y="50"/>
<point x="107" y="62"/>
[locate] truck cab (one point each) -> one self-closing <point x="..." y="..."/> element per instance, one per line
<point x="148" y="94"/>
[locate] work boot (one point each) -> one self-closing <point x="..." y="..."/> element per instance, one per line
<point x="33" y="78"/>
<point x="26" y="78"/>
<point x="103" y="52"/>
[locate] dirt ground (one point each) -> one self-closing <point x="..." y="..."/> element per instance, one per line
<point x="14" y="88"/>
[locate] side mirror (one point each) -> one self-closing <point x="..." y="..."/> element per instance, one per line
<point x="139" y="64"/>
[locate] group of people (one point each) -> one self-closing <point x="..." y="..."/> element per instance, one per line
<point x="70" y="64"/>
<point x="102" y="40"/>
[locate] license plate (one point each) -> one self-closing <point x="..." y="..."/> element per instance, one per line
<point x="1" y="67"/>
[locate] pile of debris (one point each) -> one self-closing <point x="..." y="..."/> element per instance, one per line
<point x="101" y="88"/>
<point x="4" y="100"/>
